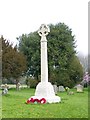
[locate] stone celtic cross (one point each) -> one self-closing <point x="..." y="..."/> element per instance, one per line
<point x="43" y="30"/>
<point x="44" y="89"/>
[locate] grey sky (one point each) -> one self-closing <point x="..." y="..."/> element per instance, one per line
<point x="25" y="16"/>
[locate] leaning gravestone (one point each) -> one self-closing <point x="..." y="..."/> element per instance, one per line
<point x="79" y="88"/>
<point x="61" y="89"/>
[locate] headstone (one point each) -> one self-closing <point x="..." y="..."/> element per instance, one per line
<point x="18" y="86"/>
<point x="67" y="89"/>
<point x="79" y="88"/>
<point x="5" y="91"/>
<point x="44" y="89"/>
<point x="61" y="89"/>
<point x="55" y="89"/>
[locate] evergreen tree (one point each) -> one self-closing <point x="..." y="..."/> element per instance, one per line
<point x="61" y="54"/>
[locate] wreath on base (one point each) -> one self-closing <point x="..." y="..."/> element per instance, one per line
<point x="32" y="100"/>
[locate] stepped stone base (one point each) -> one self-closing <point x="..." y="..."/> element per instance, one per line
<point x="45" y="90"/>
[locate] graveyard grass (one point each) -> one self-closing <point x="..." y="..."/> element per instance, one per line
<point x="71" y="106"/>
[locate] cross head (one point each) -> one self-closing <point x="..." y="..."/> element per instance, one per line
<point x="43" y="30"/>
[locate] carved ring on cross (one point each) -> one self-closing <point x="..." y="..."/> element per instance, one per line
<point x="43" y="30"/>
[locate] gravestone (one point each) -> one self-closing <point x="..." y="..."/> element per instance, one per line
<point x="44" y="89"/>
<point x="5" y="91"/>
<point x="79" y="88"/>
<point x="55" y="89"/>
<point x="18" y="86"/>
<point x="61" y="89"/>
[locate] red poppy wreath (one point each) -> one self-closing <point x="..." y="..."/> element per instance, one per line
<point x="32" y="100"/>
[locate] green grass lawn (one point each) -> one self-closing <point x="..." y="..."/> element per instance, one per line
<point x="71" y="106"/>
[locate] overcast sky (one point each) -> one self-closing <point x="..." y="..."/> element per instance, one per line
<point x="25" y="16"/>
